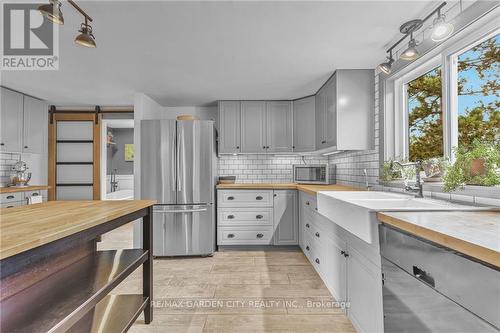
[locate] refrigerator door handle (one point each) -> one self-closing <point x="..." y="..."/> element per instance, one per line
<point x="182" y="211"/>
<point x="178" y="162"/>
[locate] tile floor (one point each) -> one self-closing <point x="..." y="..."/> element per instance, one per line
<point x="234" y="291"/>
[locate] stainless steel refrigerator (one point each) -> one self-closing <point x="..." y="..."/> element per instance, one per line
<point x="178" y="171"/>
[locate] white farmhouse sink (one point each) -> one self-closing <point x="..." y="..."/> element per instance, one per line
<point x="356" y="211"/>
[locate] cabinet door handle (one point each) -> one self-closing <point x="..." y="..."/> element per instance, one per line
<point x="230" y="198"/>
<point x="267" y="147"/>
<point x="307" y="247"/>
<point x="230" y="217"/>
<point x="260" y="235"/>
<point x="259" y="198"/>
<point x="9" y="207"/>
<point x="317" y="234"/>
<point x="307" y="225"/>
<point x="2" y="144"/>
<point x="344" y="253"/>
<point x="10" y="197"/>
<point x="237" y="147"/>
<point x="25" y="147"/>
<point x="317" y="261"/>
<point x="323" y="141"/>
<point x="307" y="203"/>
<point x="258" y="217"/>
<point x="263" y="147"/>
<point x="230" y="236"/>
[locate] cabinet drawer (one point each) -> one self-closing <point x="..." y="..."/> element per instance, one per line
<point x="245" y="236"/>
<point x="245" y="216"/>
<point x="11" y="197"/>
<point x="43" y="193"/>
<point x="309" y="202"/>
<point x="245" y="198"/>
<point x="12" y="204"/>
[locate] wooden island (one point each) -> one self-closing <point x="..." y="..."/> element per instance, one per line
<point x="53" y="279"/>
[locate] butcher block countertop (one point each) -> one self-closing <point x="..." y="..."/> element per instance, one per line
<point x="476" y="234"/>
<point x="23" y="189"/>
<point x="24" y="228"/>
<point x="310" y="189"/>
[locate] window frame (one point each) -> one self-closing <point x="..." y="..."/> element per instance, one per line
<point x="395" y="112"/>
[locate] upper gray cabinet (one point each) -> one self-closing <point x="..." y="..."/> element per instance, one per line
<point x="23" y="123"/>
<point x="253" y="127"/>
<point x="279" y="137"/>
<point x="229" y="127"/>
<point x="11" y="119"/>
<point x="35" y="123"/>
<point x="304" y="126"/>
<point x="345" y="111"/>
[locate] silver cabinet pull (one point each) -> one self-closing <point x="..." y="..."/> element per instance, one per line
<point x="259" y="198"/>
<point x="260" y="235"/>
<point x="307" y="225"/>
<point x="317" y="261"/>
<point x="230" y="236"/>
<point x="230" y="217"/>
<point x="258" y="217"/>
<point x="307" y="247"/>
<point x="230" y="198"/>
<point x="10" y="197"/>
<point x="317" y="234"/>
<point x="307" y="203"/>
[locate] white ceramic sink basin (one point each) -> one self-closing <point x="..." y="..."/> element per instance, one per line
<point x="356" y="211"/>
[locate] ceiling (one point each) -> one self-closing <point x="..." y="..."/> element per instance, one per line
<point x="194" y="53"/>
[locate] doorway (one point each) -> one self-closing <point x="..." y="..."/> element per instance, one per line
<point x="117" y="159"/>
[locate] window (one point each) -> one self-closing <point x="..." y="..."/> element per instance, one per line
<point x="478" y="87"/>
<point x="425" y="121"/>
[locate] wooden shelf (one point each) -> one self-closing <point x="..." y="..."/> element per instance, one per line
<point x="59" y="301"/>
<point x="114" y="313"/>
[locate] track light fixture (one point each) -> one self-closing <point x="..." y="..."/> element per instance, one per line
<point x="85" y="38"/>
<point x="386" y="67"/>
<point x="52" y="11"/>
<point x="411" y="53"/>
<point x="441" y="29"/>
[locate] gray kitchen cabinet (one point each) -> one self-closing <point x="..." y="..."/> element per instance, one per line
<point x="320" y="118"/>
<point x="345" y="111"/>
<point x="286" y="228"/>
<point x="304" y="125"/>
<point x="331" y="112"/>
<point x="253" y="127"/>
<point x="279" y="136"/>
<point x="229" y="127"/>
<point x="34" y="125"/>
<point x="364" y="289"/>
<point x="11" y="119"/>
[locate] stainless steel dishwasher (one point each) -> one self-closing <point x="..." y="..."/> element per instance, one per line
<point x="429" y="288"/>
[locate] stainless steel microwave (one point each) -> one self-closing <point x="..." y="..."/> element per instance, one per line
<point x="310" y="174"/>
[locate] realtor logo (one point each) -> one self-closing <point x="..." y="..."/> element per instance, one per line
<point x="29" y="40"/>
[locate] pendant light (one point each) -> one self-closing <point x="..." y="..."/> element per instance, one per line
<point x="52" y="11"/>
<point x="441" y="29"/>
<point x="85" y="38"/>
<point x="411" y="53"/>
<point x="386" y="67"/>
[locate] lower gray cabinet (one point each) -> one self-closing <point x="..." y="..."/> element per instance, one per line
<point x="347" y="265"/>
<point x="286" y="227"/>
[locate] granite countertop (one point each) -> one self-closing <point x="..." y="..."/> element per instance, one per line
<point x="23" y="189"/>
<point x="310" y="189"/>
<point x="24" y="228"/>
<point x="476" y="234"/>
